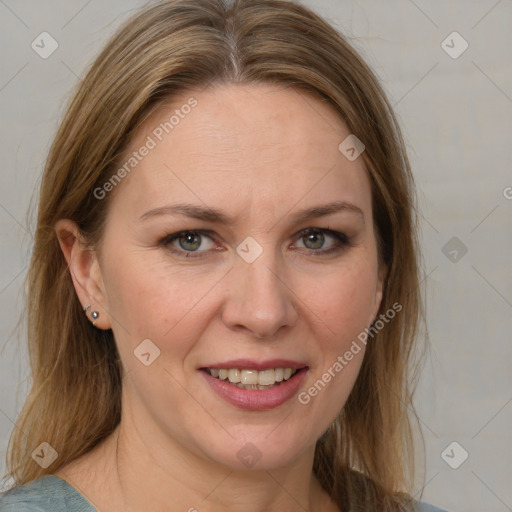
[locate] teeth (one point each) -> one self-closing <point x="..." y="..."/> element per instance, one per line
<point x="267" y="377"/>
<point x="234" y="376"/>
<point x="253" y="386"/>
<point x="249" y="377"/>
<point x="253" y="379"/>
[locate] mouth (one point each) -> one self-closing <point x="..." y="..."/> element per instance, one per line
<point x="252" y="379"/>
<point x="251" y="386"/>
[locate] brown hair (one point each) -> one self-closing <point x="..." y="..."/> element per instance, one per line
<point x="364" y="460"/>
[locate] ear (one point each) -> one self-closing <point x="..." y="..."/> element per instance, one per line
<point x="85" y="272"/>
<point x="379" y="291"/>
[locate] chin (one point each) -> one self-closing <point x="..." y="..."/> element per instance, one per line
<point x="257" y="448"/>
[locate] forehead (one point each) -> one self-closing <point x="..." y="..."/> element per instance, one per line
<point x="248" y="143"/>
<point x="260" y="120"/>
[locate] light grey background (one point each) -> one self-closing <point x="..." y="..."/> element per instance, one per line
<point x="456" y="115"/>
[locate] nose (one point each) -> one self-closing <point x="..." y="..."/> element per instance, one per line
<point x="259" y="300"/>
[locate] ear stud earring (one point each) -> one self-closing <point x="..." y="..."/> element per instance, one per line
<point x="94" y="314"/>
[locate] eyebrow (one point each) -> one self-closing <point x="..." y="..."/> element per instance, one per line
<point x="217" y="216"/>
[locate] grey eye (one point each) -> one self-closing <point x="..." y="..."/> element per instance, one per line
<point x="314" y="240"/>
<point x="190" y="241"/>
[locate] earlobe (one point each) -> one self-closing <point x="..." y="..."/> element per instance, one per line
<point x="84" y="270"/>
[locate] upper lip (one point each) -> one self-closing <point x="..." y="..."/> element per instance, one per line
<point x="251" y="364"/>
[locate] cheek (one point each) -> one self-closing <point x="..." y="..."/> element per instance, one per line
<point x="149" y="298"/>
<point x="345" y="299"/>
<point x="344" y="303"/>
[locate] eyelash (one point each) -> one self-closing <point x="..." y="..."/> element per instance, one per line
<point x="340" y="241"/>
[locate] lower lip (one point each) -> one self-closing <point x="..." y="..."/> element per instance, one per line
<point x="257" y="399"/>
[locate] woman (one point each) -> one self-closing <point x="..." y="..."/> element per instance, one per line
<point x="223" y="294"/>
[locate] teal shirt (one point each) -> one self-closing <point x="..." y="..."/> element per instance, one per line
<point x="52" y="494"/>
<point x="47" y="494"/>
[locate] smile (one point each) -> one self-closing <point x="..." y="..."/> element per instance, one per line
<point x="255" y="389"/>
<point x="253" y="379"/>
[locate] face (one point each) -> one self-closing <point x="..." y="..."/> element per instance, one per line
<point x="241" y="240"/>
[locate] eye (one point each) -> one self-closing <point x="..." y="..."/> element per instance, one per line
<point x="314" y="239"/>
<point x="189" y="242"/>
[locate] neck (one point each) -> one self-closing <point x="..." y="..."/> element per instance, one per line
<point x="140" y="467"/>
<point x="191" y="483"/>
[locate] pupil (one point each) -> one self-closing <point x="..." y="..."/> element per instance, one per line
<point x="191" y="239"/>
<point x="317" y="240"/>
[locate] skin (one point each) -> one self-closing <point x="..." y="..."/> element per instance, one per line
<point x="259" y="153"/>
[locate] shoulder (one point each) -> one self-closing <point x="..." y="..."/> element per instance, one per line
<point x="46" y="494"/>
<point x="426" y="507"/>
